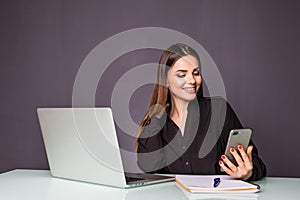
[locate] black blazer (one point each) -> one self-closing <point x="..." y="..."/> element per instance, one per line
<point x="163" y="149"/>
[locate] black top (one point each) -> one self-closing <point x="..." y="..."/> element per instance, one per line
<point x="163" y="149"/>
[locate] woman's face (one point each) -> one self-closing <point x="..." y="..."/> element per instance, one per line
<point x="184" y="78"/>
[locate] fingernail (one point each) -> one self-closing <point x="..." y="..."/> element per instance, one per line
<point x="223" y="157"/>
<point x="240" y="146"/>
<point x="232" y="149"/>
<point x="220" y="162"/>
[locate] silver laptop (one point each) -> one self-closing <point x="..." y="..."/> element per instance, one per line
<point x="81" y="144"/>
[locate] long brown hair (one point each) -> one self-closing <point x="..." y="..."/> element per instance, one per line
<point x="161" y="98"/>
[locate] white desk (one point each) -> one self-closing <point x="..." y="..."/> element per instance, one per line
<point x="39" y="185"/>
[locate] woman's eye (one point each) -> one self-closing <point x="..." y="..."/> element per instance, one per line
<point x="180" y="75"/>
<point x="196" y="73"/>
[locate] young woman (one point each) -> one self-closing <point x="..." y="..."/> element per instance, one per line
<point x="185" y="133"/>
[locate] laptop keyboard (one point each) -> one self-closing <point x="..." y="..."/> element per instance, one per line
<point x="132" y="179"/>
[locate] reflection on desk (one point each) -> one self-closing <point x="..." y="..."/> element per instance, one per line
<point x="39" y="185"/>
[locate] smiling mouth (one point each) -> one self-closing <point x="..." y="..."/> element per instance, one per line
<point x="190" y="89"/>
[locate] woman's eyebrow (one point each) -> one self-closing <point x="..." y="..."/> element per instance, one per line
<point x="181" y="70"/>
<point x="184" y="70"/>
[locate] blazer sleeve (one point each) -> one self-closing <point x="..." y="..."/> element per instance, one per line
<point x="232" y="122"/>
<point x="149" y="150"/>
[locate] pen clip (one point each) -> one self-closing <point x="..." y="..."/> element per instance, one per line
<point x="217" y="181"/>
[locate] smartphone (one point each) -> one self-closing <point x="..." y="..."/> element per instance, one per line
<point x="236" y="137"/>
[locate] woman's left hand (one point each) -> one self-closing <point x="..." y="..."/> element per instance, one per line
<point x="243" y="169"/>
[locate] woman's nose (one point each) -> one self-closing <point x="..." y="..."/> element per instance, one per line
<point x="191" y="79"/>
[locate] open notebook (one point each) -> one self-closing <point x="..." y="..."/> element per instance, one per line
<point x="206" y="184"/>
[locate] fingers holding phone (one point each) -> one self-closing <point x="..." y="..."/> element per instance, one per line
<point x="237" y="162"/>
<point x="243" y="166"/>
<point x="247" y="157"/>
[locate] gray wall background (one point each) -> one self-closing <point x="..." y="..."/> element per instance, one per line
<point x="255" y="44"/>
